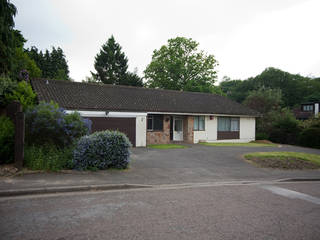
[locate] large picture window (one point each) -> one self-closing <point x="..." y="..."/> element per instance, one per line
<point x="228" y="124"/>
<point x="155" y="123"/>
<point x="199" y="123"/>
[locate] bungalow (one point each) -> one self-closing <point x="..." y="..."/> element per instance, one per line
<point x="153" y="116"/>
<point x="307" y="110"/>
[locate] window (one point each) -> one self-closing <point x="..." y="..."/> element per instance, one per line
<point x="155" y="122"/>
<point x="228" y="124"/>
<point x="199" y="123"/>
<point x="307" y="108"/>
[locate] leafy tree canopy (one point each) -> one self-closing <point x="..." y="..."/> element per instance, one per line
<point x="264" y="100"/>
<point x="294" y="87"/>
<point x="52" y="64"/>
<point x="179" y="65"/>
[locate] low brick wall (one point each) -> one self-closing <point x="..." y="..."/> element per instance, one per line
<point x="160" y="137"/>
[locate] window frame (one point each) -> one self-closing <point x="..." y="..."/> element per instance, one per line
<point x="197" y="119"/>
<point x="307" y="108"/>
<point x="152" y="118"/>
<point x="229" y="125"/>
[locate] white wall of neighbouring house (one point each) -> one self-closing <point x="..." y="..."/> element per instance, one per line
<point x="141" y="131"/>
<point x="247" y="131"/>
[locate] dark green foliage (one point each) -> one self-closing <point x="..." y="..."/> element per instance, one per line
<point x="132" y="79"/>
<point x="294" y="87"/>
<point x="179" y="65"/>
<point x="52" y="64"/>
<point x="6" y="87"/>
<point x="285" y="128"/>
<point x="22" y="93"/>
<point x="7" y="35"/>
<point x="102" y="150"/>
<point x="310" y="137"/>
<point x="47" y="123"/>
<point x="23" y="63"/>
<point x="48" y="157"/>
<point x="6" y="140"/>
<point x="264" y="100"/>
<point x="111" y="64"/>
<point x="262" y="136"/>
<point x="267" y="102"/>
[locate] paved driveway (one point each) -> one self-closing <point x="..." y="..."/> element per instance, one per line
<point x="200" y="163"/>
<point x="196" y="164"/>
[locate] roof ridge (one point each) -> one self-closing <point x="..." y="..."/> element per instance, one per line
<point x="125" y="86"/>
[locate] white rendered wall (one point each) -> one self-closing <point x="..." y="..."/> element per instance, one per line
<point x="210" y="133"/>
<point x="141" y="131"/>
<point x="247" y="131"/>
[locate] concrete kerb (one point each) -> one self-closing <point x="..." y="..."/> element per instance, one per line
<point x="53" y="190"/>
<point x="111" y="187"/>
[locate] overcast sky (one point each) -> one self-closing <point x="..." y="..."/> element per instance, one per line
<point x="245" y="36"/>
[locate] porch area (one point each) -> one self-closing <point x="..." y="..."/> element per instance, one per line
<point x="164" y="129"/>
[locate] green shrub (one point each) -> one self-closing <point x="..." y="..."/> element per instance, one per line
<point x="262" y="136"/>
<point x="285" y="128"/>
<point x="6" y="87"/>
<point x="47" y="123"/>
<point x="310" y="137"/>
<point x="6" y="140"/>
<point x="23" y="93"/>
<point x="48" y="157"/>
<point x="102" y="150"/>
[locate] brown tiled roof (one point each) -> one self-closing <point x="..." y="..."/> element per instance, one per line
<point x="98" y="97"/>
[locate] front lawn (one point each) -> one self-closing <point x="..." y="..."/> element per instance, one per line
<point x="284" y="160"/>
<point x="166" y="146"/>
<point x="250" y="144"/>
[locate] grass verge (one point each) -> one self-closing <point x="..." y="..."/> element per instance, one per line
<point x="166" y="146"/>
<point x="250" y="144"/>
<point x="284" y="160"/>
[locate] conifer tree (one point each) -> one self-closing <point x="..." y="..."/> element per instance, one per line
<point x="111" y="64"/>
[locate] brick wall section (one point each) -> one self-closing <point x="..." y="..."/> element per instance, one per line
<point x="160" y="137"/>
<point x="188" y="129"/>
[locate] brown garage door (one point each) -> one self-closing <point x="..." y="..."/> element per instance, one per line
<point x="125" y="125"/>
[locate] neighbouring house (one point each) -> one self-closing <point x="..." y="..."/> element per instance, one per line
<point x="307" y="110"/>
<point x="153" y="116"/>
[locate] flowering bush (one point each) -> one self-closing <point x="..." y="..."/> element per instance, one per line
<point x="47" y="123"/>
<point x="102" y="150"/>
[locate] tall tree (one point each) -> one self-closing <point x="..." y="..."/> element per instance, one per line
<point x="111" y="64"/>
<point x="179" y="65"/>
<point x="52" y="64"/>
<point x="7" y="35"/>
<point x="132" y="79"/>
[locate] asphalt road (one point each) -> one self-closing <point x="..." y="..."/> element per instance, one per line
<point x="219" y="211"/>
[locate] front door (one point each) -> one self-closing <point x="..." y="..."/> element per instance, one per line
<point x="177" y="129"/>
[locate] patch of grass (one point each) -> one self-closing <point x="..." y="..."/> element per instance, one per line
<point x="285" y="160"/>
<point x="166" y="146"/>
<point x="250" y="144"/>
